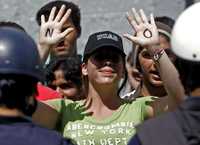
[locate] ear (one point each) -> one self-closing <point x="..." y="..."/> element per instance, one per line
<point x="84" y="69"/>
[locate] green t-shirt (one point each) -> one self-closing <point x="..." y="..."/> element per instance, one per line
<point x="117" y="129"/>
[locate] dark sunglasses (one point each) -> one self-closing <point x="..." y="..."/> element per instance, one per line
<point x="111" y="55"/>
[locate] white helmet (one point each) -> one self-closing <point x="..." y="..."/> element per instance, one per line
<point x="185" y="38"/>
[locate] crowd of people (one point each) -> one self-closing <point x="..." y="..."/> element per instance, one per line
<point x="49" y="94"/>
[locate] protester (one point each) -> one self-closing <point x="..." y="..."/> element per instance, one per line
<point x="142" y="71"/>
<point x="103" y="117"/>
<point x="50" y="16"/>
<point x="20" y="70"/>
<point x="180" y="127"/>
<point x="63" y="74"/>
<point x="135" y="72"/>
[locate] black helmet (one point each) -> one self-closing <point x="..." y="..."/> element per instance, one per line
<point x="18" y="54"/>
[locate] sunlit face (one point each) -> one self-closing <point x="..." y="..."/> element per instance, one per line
<point x="148" y="66"/>
<point x="66" y="88"/>
<point x="105" y="66"/>
<point x="67" y="47"/>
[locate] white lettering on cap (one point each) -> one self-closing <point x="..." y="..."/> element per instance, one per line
<point x="107" y="36"/>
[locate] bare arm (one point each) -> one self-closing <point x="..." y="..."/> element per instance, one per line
<point x="171" y="80"/>
<point x="148" y="37"/>
<point x="45" y="116"/>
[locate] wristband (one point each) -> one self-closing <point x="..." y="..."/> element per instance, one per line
<point x="157" y="54"/>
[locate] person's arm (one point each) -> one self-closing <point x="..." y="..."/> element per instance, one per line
<point x="171" y="80"/>
<point x="148" y="37"/>
<point x="51" y="31"/>
<point x="45" y="116"/>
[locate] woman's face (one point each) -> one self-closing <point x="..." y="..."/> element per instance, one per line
<point x="148" y="67"/>
<point x="68" y="45"/>
<point x="105" y="66"/>
<point x="66" y="88"/>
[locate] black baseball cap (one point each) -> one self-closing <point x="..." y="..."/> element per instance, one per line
<point x="103" y="39"/>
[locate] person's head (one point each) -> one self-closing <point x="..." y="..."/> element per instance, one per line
<point x="145" y="63"/>
<point x="186" y="45"/>
<point x="67" y="47"/>
<point x="63" y="74"/>
<point x="20" y="69"/>
<point x="104" y="60"/>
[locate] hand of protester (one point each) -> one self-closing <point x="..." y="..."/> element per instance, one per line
<point x="51" y="31"/>
<point x="146" y="33"/>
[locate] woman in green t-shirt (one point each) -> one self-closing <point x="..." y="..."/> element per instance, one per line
<point x="102" y="117"/>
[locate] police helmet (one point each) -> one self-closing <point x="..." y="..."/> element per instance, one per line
<point x="185" y="38"/>
<point x="18" y="54"/>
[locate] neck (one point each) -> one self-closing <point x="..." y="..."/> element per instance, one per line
<point x="148" y="89"/>
<point x="73" y="50"/>
<point x="105" y="96"/>
<point x="10" y="112"/>
<point x="102" y="102"/>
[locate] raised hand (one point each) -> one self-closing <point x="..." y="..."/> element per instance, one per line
<point x="146" y="33"/>
<point x="51" y="30"/>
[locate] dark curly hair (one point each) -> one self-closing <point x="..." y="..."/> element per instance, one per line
<point x="75" y="14"/>
<point x="71" y="66"/>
